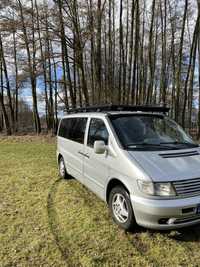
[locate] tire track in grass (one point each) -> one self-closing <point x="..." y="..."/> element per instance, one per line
<point x="54" y="224"/>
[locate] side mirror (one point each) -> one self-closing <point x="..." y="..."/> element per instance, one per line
<point x="99" y="147"/>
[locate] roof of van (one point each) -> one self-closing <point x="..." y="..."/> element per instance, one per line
<point x="105" y="113"/>
<point x="110" y="108"/>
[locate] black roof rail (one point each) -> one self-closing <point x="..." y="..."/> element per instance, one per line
<point x="111" y="107"/>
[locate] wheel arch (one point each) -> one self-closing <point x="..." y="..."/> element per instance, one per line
<point x="112" y="183"/>
<point x="59" y="156"/>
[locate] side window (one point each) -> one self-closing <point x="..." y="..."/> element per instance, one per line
<point x="77" y="130"/>
<point x="64" y="128"/>
<point x="73" y="129"/>
<point x="97" y="131"/>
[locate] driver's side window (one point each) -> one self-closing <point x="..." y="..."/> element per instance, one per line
<point x="97" y="132"/>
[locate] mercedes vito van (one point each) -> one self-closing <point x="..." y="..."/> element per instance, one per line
<point x="136" y="159"/>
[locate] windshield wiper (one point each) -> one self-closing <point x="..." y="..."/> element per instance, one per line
<point x="149" y="144"/>
<point x="180" y="143"/>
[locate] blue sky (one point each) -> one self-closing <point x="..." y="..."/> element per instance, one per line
<point x="26" y="93"/>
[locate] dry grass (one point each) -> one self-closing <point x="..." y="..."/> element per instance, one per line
<point x="46" y="138"/>
<point x="46" y="221"/>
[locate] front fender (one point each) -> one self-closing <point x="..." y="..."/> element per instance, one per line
<point x="129" y="182"/>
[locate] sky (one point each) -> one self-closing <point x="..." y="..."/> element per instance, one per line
<point x="26" y="93"/>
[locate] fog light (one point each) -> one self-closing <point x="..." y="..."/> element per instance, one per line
<point x="171" y="221"/>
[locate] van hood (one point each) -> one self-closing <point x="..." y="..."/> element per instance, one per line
<point x="170" y="165"/>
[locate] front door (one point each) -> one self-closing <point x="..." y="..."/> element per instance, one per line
<point x="95" y="165"/>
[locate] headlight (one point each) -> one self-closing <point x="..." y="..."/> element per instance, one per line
<point x="156" y="189"/>
<point x="164" y="189"/>
<point x="146" y="187"/>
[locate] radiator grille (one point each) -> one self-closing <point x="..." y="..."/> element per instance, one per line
<point x="189" y="187"/>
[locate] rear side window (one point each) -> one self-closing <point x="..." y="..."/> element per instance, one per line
<point x="73" y="129"/>
<point x="64" y="128"/>
<point x="97" y="131"/>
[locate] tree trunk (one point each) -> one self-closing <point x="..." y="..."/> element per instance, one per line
<point x="189" y="71"/>
<point x="31" y="65"/>
<point x="130" y="50"/>
<point x="65" y="52"/>
<point x="10" y="104"/>
<point x="198" y="134"/>
<point x="98" y="51"/>
<point x="16" y="81"/>
<point x="44" y="67"/>
<point x="2" y="105"/>
<point x="136" y="46"/>
<point x="121" y="51"/>
<point x="179" y="68"/>
<point x="150" y="49"/>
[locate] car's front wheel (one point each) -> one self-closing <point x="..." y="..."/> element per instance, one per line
<point x="121" y="208"/>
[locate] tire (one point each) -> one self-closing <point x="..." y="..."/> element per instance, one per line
<point x="121" y="208"/>
<point x="62" y="169"/>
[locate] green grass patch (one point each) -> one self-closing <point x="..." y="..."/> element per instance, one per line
<point x="46" y="221"/>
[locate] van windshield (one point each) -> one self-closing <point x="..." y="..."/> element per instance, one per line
<point x="150" y="132"/>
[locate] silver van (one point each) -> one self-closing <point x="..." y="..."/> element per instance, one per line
<point x="136" y="159"/>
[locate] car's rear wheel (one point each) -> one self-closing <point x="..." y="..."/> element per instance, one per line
<point x="121" y="208"/>
<point x="62" y="169"/>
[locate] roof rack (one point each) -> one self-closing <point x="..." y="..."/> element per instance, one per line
<point x="111" y="107"/>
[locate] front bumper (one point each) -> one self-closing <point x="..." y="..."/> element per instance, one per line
<point x="163" y="214"/>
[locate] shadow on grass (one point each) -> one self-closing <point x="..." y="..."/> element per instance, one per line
<point x="188" y="234"/>
<point x="54" y="223"/>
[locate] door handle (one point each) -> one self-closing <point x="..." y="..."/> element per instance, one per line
<point x="87" y="156"/>
<point x="83" y="154"/>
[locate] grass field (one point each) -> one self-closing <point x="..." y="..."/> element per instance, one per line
<point x="46" y="221"/>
